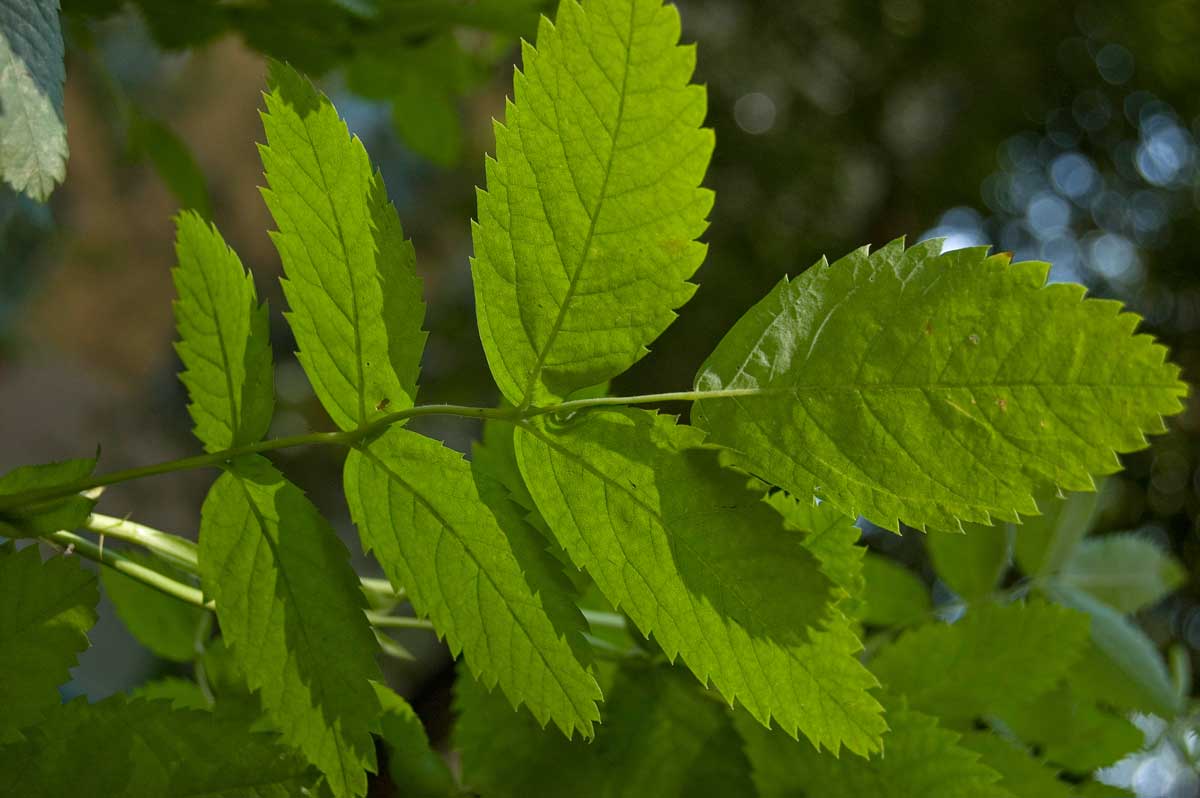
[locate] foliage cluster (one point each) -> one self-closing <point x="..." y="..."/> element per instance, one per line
<point x="686" y="603"/>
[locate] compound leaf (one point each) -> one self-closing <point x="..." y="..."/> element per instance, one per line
<point x="921" y="759"/>
<point x="292" y="613"/>
<point x="987" y="653"/>
<point x="482" y="576"/>
<point x="355" y="298"/>
<point x="46" y="609"/>
<point x="925" y="388"/>
<point x="224" y="341"/>
<point x="586" y="232"/>
<point x="33" y="133"/>
<point x="693" y="555"/>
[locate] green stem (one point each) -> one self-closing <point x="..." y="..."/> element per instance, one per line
<point x="381" y="621"/>
<point x="118" y="562"/>
<point x="352" y="437"/>
<point x="176" y="550"/>
<point x="609" y="620"/>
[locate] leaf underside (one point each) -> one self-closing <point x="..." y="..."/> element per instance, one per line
<point x="911" y="386"/>
<point x="920" y="759"/>
<point x="292" y="612"/>
<point x="224" y="341"/>
<point x="586" y="231"/>
<point x="476" y="569"/>
<point x="47" y="608"/>
<point x="992" y="644"/>
<point x="355" y="298"/>
<point x="695" y="557"/>
<point x="33" y="132"/>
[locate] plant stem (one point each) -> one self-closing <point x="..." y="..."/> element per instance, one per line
<point x="179" y="551"/>
<point x="148" y="576"/>
<point x="381" y="621"/>
<point x="610" y="620"/>
<point x="118" y="562"/>
<point x="352" y="437"/>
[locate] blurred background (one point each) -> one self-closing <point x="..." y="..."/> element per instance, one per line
<point x="1064" y="132"/>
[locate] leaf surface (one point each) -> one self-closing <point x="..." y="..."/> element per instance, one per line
<point x="922" y="759"/>
<point x="141" y="748"/>
<point x="657" y="728"/>
<point x="911" y="386"/>
<point x="163" y="624"/>
<point x="33" y="132"/>
<point x="986" y="656"/>
<point x="694" y="557"/>
<point x="470" y="563"/>
<point x="46" y="609"/>
<point x="894" y="595"/>
<point x="292" y="613"/>
<point x="415" y="769"/>
<point x="1126" y="571"/>
<point x="1020" y="773"/>
<point x="1072" y="731"/>
<point x="973" y="563"/>
<point x="355" y="298"/>
<point x="586" y="231"/>
<point x="1123" y="666"/>
<point x="37" y="518"/>
<point x="224" y="340"/>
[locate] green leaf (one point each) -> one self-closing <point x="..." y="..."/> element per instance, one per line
<point x="925" y="388"/>
<point x="33" y="133"/>
<point x="292" y="613"/>
<point x="180" y="693"/>
<point x="586" y="232"/>
<point x="414" y="768"/>
<point x="832" y="536"/>
<point x="1123" y="667"/>
<point x="981" y="665"/>
<point x="172" y="160"/>
<point x="1125" y="571"/>
<point x="973" y="563"/>
<point x="38" y="518"/>
<point x="46" y="609"/>
<point x="224" y="340"/>
<point x="143" y="748"/>
<point x="691" y="553"/>
<point x="165" y="625"/>
<point x="1045" y="542"/>
<point x="1020" y="773"/>
<point x="355" y="298"/>
<point x="894" y="596"/>
<point x="657" y="728"/>
<point x="1072" y="731"/>
<point x="921" y="759"/>
<point x="480" y="574"/>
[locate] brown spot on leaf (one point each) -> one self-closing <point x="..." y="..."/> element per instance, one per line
<point x="1002" y="403"/>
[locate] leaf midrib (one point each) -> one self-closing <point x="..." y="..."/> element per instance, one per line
<point x="573" y="284"/>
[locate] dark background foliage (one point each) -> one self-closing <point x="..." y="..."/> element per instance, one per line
<point x="1063" y="131"/>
